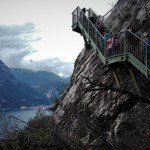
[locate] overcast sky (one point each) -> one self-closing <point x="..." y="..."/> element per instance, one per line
<point x="37" y="34"/>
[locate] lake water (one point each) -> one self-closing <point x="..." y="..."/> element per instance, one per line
<point x="24" y="115"/>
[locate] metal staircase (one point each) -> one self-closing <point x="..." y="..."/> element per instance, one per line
<point x="132" y="50"/>
<point x="91" y="13"/>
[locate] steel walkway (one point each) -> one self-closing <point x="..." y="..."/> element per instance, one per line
<point x="131" y="49"/>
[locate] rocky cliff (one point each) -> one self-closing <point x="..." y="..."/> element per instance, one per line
<point x="93" y="111"/>
<point x="134" y="13"/>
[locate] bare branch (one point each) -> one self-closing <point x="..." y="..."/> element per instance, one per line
<point x="105" y="87"/>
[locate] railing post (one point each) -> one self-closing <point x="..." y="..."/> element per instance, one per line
<point x="105" y="49"/>
<point x="72" y="19"/>
<point x="88" y="28"/>
<point x="146" y="59"/>
<point x="96" y="38"/>
<point x="77" y="13"/>
<point x="124" y="43"/>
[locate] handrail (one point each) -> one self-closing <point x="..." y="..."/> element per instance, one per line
<point x="126" y="46"/>
<point x="108" y="11"/>
<point x="104" y="24"/>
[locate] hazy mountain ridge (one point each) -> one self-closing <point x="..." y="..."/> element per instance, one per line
<point x="46" y="83"/>
<point x="14" y="94"/>
<point x="35" y="78"/>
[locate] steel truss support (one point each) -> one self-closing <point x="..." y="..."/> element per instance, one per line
<point x="134" y="80"/>
<point x="116" y="78"/>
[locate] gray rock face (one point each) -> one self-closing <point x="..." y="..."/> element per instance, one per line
<point x="135" y="13"/>
<point x="95" y="112"/>
<point x="104" y="117"/>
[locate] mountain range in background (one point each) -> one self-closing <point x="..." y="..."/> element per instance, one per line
<point x="20" y="87"/>
<point x="46" y="83"/>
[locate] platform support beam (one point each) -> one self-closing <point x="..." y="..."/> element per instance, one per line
<point x="134" y="80"/>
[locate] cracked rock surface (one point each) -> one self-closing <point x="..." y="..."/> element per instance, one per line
<point x="92" y="111"/>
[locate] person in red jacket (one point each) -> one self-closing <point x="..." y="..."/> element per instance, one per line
<point x="108" y="39"/>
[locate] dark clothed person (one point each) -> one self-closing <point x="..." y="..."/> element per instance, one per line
<point x="108" y="39"/>
<point x="147" y="40"/>
<point x="92" y="19"/>
<point x="84" y="10"/>
<point x="147" y="48"/>
<point x="99" y="27"/>
<point x="115" y="44"/>
<point x="82" y="15"/>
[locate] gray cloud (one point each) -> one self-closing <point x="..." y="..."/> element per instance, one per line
<point x="55" y="65"/>
<point x="15" y="44"/>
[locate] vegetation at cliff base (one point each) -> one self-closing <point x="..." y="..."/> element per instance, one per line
<point x="37" y="134"/>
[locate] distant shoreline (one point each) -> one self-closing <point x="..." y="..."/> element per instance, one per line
<point x="40" y="107"/>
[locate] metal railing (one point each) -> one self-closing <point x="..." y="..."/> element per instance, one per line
<point x="118" y="47"/>
<point x="92" y="13"/>
<point x="88" y="28"/>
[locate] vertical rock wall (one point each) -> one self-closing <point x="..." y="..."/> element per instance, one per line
<point x="134" y="13"/>
<point x="104" y="117"/>
<point x="93" y="111"/>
